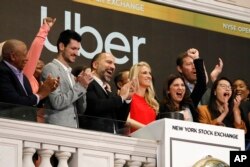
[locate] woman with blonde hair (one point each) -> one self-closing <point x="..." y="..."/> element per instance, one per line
<point x="144" y="107"/>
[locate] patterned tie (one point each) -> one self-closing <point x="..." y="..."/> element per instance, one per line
<point x="106" y="88"/>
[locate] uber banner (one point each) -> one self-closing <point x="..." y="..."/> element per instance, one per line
<point x="133" y="31"/>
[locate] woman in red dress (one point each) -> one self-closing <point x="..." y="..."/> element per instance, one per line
<point x="144" y="107"/>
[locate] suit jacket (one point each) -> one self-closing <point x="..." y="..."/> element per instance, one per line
<point x="200" y="86"/>
<point x="11" y="91"/>
<point x="63" y="101"/>
<point x="105" y="111"/>
<point x="245" y="111"/>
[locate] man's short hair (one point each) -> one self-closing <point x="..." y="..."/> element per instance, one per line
<point x="179" y="60"/>
<point x="66" y="36"/>
<point x="119" y="77"/>
<point x="97" y="56"/>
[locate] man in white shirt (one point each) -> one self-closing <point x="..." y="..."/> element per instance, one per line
<point x="63" y="102"/>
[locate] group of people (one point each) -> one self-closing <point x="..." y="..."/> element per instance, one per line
<point x="86" y="100"/>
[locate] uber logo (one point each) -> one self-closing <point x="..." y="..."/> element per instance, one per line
<point x="239" y="158"/>
<point x="129" y="45"/>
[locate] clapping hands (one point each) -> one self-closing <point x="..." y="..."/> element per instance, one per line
<point x="84" y="78"/>
<point x="48" y="86"/>
<point x="128" y="90"/>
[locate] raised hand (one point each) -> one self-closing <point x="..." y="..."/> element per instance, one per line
<point x="49" y="21"/>
<point x="193" y="53"/>
<point x="217" y="70"/>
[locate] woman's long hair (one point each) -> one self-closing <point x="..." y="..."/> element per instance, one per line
<point x="213" y="107"/>
<point x="167" y="99"/>
<point x="150" y="93"/>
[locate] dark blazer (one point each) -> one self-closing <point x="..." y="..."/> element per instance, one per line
<point x="103" y="109"/>
<point x="245" y="111"/>
<point x="11" y="91"/>
<point x="199" y="88"/>
<point x="201" y="85"/>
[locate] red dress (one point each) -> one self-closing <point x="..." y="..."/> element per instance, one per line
<point x="141" y="111"/>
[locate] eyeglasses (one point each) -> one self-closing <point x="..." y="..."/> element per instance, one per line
<point x="224" y="86"/>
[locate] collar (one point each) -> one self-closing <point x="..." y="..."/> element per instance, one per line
<point x="13" y="68"/>
<point x="68" y="69"/>
<point x="99" y="81"/>
<point x="189" y="85"/>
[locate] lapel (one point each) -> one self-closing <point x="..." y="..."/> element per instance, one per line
<point x="16" y="82"/>
<point x="27" y="85"/>
<point x="72" y="79"/>
<point x="63" y="74"/>
<point x="100" y="90"/>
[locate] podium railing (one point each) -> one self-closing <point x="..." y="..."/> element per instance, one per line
<point x="21" y="137"/>
<point x="42" y="115"/>
<point x="163" y="143"/>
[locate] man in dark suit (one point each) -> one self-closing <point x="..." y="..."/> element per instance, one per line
<point x="192" y="68"/>
<point x="106" y="111"/>
<point x="14" y="86"/>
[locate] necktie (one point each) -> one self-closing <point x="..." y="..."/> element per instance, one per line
<point x="106" y="89"/>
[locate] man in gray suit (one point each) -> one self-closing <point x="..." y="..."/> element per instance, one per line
<point x="64" y="101"/>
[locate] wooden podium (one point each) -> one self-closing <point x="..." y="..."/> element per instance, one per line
<point x="183" y="143"/>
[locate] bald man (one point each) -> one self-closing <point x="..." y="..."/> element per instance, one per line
<point x="106" y="111"/>
<point x="14" y="86"/>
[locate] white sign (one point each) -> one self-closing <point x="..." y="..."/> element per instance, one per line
<point x="183" y="143"/>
